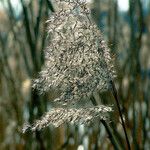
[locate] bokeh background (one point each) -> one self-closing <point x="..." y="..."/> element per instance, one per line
<point x="125" y="25"/>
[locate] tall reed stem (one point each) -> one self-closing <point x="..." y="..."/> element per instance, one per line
<point x="107" y="128"/>
<point x="114" y="92"/>
<point x="111" y="135"/>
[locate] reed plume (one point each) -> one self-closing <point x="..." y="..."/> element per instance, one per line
<point x="77" y="59"/>
<point x="77" y="63"/>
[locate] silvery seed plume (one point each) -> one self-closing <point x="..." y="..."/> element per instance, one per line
<point x="77" y="61"/>
<point x="58" y="116"/>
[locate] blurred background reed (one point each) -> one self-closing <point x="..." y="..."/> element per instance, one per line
<point x="125" y="25"/>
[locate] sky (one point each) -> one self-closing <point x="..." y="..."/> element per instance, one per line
<point x="123" y="4"/>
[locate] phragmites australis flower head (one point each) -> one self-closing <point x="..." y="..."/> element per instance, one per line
<point x="77" y="59"/>
<point x="57" y="116"/>
<point x="77" y="63"/>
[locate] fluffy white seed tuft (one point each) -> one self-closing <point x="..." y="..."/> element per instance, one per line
<point x="78" y="61"/>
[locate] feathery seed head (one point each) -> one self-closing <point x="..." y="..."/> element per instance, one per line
<point x="78" y="61"/>
<point x="58" y="116"/>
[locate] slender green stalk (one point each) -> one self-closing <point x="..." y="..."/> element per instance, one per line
<point x="114" y="92"/>
<point x="108" y="130"/>
<point x="111" y="136"/>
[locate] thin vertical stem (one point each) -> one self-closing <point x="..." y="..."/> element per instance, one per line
<point x="114" y="92"/>
<point x="108" y="130"/>
<point x="111" y="136"/>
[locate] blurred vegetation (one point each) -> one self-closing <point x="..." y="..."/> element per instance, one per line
<point x="22" y="40"/>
